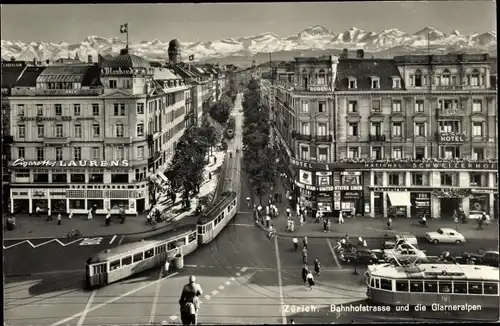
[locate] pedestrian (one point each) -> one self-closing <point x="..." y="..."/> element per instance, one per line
<point x="167" y="266"/>
<point x="305" y="271"/>
<point x="267" y="209"/>
<point x="360" y="241"/>
<point x="292" y="226"/>
<point x="70" y="216"/>
<point x="389" y="223"/>
<point x="275" y="197"/>
<point x="295" y="244"/>
<point x="481" y="221"/>
<point x="268" y="221"/>
<point x="189" y="292"/>
<point x="317" y="266"/>
<point x="288" y="213"/>
<point x="324" y="225"/>
<point x="89" y="215"/>
<point x="328" y="224"/>
<point x="297" y="208"/>
<point x="276" y="212"/>
<point x="248" y="202"/>
<point x="37" y="210"/>
<point x="107" y="220"/>
<point x="365" y="245"/>
<point x="304" y="256"/>
<point x="353" y="212"/>
<point x="302" y="220"/>
<point x="49" y="215"/>
<point x="305" y="242"/>
<point x="341" y="217"/>
<point x="59" y="219"/>
<point x="310" y="279"/>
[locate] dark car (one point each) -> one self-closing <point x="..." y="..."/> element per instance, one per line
<point x="364" y="256"/>
<point x="489" y="258"/>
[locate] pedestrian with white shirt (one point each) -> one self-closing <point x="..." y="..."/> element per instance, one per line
<point x="70" y="216"/>
<point x="89" y="215"/>
<point x="341" y="218"/>
<point x="166" y="267"/>
<point x="59" y="219"/>
<point x="295" y="244"/>
<point x="49" y="215"/>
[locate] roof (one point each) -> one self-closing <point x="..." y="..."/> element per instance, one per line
<point x="434" y="271"/>
<point x="64" y="73"/>
<point x="29" y="76"/>
<point x="92" y="76"/>
<point x="164" y="73"/>
<point x="126" y="60"/>
<point x="184" y="72"/>
<point x="10" y="75"/>
<point x="68" y="61"/>
<point x="448" y="230"/>
<point x="215" y="210"/>
<point x="362" y="69"/>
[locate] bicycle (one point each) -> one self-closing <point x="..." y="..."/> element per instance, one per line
<point x="272" y="235"/>
<point x="74" y="234"/>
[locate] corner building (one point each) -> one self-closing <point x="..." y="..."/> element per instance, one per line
<point x="90" y="134"/>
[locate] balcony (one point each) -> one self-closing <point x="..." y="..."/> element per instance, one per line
<point x="377" y="137"/>
<point x="447" y="87"/>
<point x="324" y="139"/>
<point x="303" y="137"/>
<point x="56" y="140"/>
<point x="57" y="92"/>
<point x="118" y="140"/>
<point x="450" y="112"/>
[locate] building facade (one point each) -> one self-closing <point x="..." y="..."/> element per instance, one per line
<point x="88" y="135"/>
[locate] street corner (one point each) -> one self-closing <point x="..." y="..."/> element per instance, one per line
<point x="320" y="248"/>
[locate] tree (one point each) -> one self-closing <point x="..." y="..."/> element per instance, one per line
<point x="221" y="109"/>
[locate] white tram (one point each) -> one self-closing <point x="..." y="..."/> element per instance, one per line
<point x="425" y="284"/>
<point x="210" y="225"/>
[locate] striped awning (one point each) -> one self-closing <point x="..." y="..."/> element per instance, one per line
<point x="60" y="79"/>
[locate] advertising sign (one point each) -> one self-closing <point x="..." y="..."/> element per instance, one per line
<point x="71" y="163"/>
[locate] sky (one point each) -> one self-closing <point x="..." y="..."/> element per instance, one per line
<point x="204" y="22"/>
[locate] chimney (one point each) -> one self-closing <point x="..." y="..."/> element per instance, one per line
<point x="35" y="61"/>
<point x="123" y="51"/>
<point x="12" y="59"/>
<point x="90" y="59"/>
<point x="345" y="54"/>
<point x="47" y="62"/>
<point x="360" y="54"/>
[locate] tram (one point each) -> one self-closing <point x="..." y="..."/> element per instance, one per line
<point x="128" y="259"/>
<point x="423" y="284"/>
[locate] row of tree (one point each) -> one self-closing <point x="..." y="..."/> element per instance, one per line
<point x="259" y="157"/>
<point x="221" y="109"/>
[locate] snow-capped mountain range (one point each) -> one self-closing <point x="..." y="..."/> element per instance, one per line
<point x="312" y="38"/>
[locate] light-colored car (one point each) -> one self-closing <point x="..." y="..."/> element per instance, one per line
<point x="404" y="254"/>
<point x="445" y="235"/>
<point x="400" y="239"/>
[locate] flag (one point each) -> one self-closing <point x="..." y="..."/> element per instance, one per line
<point x="124" y="28"/>
<point x="191" y="57"/>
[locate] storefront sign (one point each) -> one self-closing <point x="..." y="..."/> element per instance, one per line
<point x="56" y="118"/>
<point x="483" y="191"/>
<point x="125" y="71"/>
<point x="320" y="89"/>
<point x="445" y="165"/>
<point x="323" y="174"/>
<point x="305" y="177"/>
<point x="349" y="188"/>
<point x="13" y="64"/>
<point x="352" y="194"/>
<point x="58" y="193"/>
<point x="324" y="181"/>
<point x="38" y="193"/>
<point x="350" y="173"/>
<point x="85" y="118"/>
<point x="383" y="189"/>
<point x="315" y="166"/>
<point x="20" y="194"/>
<point x="313" y="188"/>
<point x="367" y="208"/>
<point x="451" y="137"/>
<point x="72" y="163"/>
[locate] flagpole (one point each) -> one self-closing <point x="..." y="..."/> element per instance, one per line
<point x="127" y="36"/>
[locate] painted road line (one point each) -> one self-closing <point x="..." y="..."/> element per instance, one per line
<point x="245" y="225"/>
<point x="333" y="253"/>
<point x="155" y="299"/>
<point x="173" y="318"/>
<point x="121" y="240"/>
<point x="215" y="292"/>
<point x="233" y="279"/>
<point x="121" y="296"/>
<point x="114" y="237"/>
<point x="227" y="283"/>
<point x="87" y="307"/>
<point x="221" y="287"/>
<point x="244" y="269"/>
<point x="238" y="274"/>
<point x="207" y="297"/>
<point x="192" y="266"/>
<point x="280" y="282"/>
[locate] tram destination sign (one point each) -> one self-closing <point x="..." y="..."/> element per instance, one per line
<point x="72" y="163"/>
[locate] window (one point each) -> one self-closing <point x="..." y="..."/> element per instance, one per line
<point x="39" y="110"/>
<point x="161" y="249"/>
<point x="96" y="155"/>
<point x="449" y="152"/>
<point x="449" y="126"/>
<point x="95" y="109"/>
<point x="140" y="108"/>
<point x="477" y="106"/>
<point x="417" y="179"/>
<point x="21" y="152"/>
<point x="58" y="109"/>
<point x="396" y="83"/>
<point x="460" y="287"/>
<point x="477" y="129"/>
<point x="114" y="265"/>
<point x="377" y="152"/>
<point x="378" y="178"/>
<point x="419" y="152"/>
<point x="40" y="131"/>
<point x="444" y="287"/>
<point x="478" y="154"/>
<point x="140" y="152"/>
<point x="119" y="109"/>
<point x="76" y="109"/>
<point x="321" y="80"/>
<point x="304" y="107"/>
<point x="385" y="284"/>
<point x="138" y="257"/>
<point x="149" y="253"/>
<point x="376" y="105"/>
<point x="352" y="83"/>
<point x="126" y="261"/>
<point x="419" y="106"/>
<point x="112" y="83"/>
<point x="321" y="129"/>
<point x="397" y="152"/>
<point x="474" y="80"/>
<point x="140" y="129"/>
<point x="375" y="83"/>
<point x="396" y="106"/>
<point x="476" y="179"/>
<point x="59" y="153"/>
<point x="78" y="131"/>
<point x="446" y="179"/>
<point x="397" y="129"/>
<point x="96" y="130"/>
<point x="304" y="152"/>
<point x="376" y="128"/>
<point x="402" y="286"/>
<point x="323" y="154"/>
<point x="353" y="106"/>
<point x="40" y="153"/>
<point x="77" y="153"/>
<point x="353" y="152"/>
<point x="59" y="131"/>
<point x="418" y="78"/>
<point x="416" y="286"/>
<point x="120" y="153"/>
<point x="21" y="131"/>
<point x="353" y="129"/>
<point x="321" y="106"/>
<point x="491" y="288"/>
<point x="20" y="110"/>
<point x="475" y="288"/>
<point x="446" y="78"/>
<point x="395" y="179"/>
<point x="304" y="128"/>
<point x="119" y="130"/>
<point x="431" y="286"/>
<point x="420" y="129"/>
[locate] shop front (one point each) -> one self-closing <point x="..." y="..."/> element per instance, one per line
<point x="420" y="204"/>
<point x="20" y="201"/>
<point x="316" y="197"/>
<point x="351" y="199"/>
<point x="39" y="198"/>
<point x="58" y="201"/>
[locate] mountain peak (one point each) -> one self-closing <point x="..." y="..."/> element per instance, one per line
<point x="456" y="33"/>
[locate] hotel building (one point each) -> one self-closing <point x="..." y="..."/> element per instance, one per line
<point x="88" y="135"/>
<point x="412" y="135"/>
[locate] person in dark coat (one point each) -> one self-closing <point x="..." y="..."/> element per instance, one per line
<point x="305" y="242"/>
<point x="304" y="256"/>
<point x="317" y="266"/>
<point x="189" y="300"/>
<point x="305" y="271"/>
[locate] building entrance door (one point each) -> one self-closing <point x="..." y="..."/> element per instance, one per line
<point x="448" y="206"/>
<point x="141" y="203"/>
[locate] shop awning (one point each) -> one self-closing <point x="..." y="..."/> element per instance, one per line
<point x="399" y="198"/>
<point x="162" y="176"/>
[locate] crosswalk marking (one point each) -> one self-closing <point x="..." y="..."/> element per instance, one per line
<point x="221" y="287"/>
<point x="207" y="297"/>
<point x="215" y="292"/>
<point x="227" y="283"/>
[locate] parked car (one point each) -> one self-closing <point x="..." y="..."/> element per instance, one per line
<point x="400" y="239"/>
<point x="404" y="254"/>
<point x="364" y="256"/>
<point x="445" y="235"/>
<point x="489" y="258"/>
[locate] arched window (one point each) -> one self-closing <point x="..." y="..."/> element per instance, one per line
<point x="418" y="78"/>
<point x="446" y="78"/>
<point x="474" y="80"/>
<point x="321" y="80"/>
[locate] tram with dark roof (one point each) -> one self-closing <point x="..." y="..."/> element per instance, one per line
<point x="128" y="259"/>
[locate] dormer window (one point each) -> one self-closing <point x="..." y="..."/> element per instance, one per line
<point x="418" y="78"/>
<point x="321" y="80"/>
<point x="396" y="82"/>
<point x="446" y="78"/>
<point x="112" y="83"/>
<point x="375" y="82"/>
<point x="352" y="83"/>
